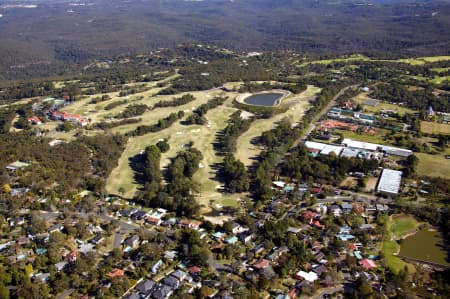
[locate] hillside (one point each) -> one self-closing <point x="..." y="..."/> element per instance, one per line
<point x="59" y="33"/>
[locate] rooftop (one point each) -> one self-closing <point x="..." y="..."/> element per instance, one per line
<point x="390" y="181"/>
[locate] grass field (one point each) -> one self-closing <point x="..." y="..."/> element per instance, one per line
<point x="433" y="165"/>
<point x="358" y="57"/>
<point x="396" y="228"/>
<point x="402" y="225"/>
<point x="376" y="138"/>
<point x="423" y="60"/>
<point x="122" y="175"/>
<point x="246" y="151"/>
<point x="441" y="69"/>
<point x="362" y="97"/>
<point x="434" y="127"/>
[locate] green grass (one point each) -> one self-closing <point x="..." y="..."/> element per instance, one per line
<point x="433" y="165"/>
<point x="439" y="80"/>
<point x="376" y="138"/>
<point x="396" y="228"/>
<point x="434" y="127"/>
<point x="179" y="135"/>
<point x="122" y="175"/>
<point x="440" y="69"/>
<point x="362" y="97"/>
<point x="423" y="60"/>
<point x="246" y="151"/>
<point x="403" y="225"/>
<point x="358" y="57"/>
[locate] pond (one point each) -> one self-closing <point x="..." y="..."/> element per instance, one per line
<point x="426" y="245"/>
<point x="264" y="99"/>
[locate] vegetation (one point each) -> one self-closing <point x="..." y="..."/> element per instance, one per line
<point x="236" y="126"/>
<point x="183" y="100"/>
<point x="161" y="125"/>
<point x="177" y="194"/>
<point x="133" y="110"/>
<point x="198" y="115"/>
<point x="234" y="174"/>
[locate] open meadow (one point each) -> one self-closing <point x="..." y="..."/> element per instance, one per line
<point x="433" y="165"/>
<point x="434" y="128"/>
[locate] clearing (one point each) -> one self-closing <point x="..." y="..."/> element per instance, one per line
<point x="434" y="127"/>
<point x="433" y="165"/>
<point x="363" y="97"/>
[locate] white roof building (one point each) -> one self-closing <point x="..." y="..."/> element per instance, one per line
<point x="308" y="276"/>
<point x="360" y="145"/>
<point x="315" y="145"/>
<point x="324" y="148"/>
<point x="396" y="151"/>
<point x="328" y="149"/>
<point x="390" y="181"/>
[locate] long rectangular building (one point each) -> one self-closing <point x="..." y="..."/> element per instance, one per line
<point x="389" y="182"/>
<point x="396" y="151"/>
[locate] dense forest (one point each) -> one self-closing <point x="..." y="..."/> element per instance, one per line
<point x="131" y="27"/>
<point x="78" y="164"/>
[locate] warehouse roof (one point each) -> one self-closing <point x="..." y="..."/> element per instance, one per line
<point x="390" y="181"/>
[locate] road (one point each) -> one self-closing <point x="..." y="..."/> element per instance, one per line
<point x="65" y="294"/>
<point x="312" y="125"/>
<point x="330" y="291"/>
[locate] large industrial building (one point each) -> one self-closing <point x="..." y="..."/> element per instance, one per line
<point x="389" y="182"/>
<point x="390" y="150"/>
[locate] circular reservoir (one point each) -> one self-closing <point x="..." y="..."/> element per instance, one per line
<point x="264" y="99"/>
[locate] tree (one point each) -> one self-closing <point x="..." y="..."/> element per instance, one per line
<point x="235" y="174"/>
<point x="6" y="188"/>
<point x="163" y="146"/>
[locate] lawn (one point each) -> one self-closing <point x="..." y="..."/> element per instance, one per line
<point x="246" y="151"/>
<point x="358" y="57"/>
<point x="402" y="225"/>
<point x="376" y="138"/>
<point x="434" y="127"/>
<point x="396" y="228"/>
<point x="441" y="69"/>
<point x="423" y="60"/>
<point x="439" y="80"/>
<point x="178" y="134"/>
<point x="362" y="97"/>
<point x="433" y="165"/>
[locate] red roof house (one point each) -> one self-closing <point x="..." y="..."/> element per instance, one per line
<point x="34" y="120"/>
<point x="261" y="264"/>
<point x="194" y="270"/>
<point x="116" y="273"/>
<point x="367" y="264"/>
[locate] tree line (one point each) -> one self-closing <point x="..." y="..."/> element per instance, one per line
<point x="198" y="115"/>
<point x="159" y="126"/>
<point x="236" y="126"/>
<point x="176" y="195"/>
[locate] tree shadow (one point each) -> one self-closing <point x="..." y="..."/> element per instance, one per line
<point x="137" y="164"/>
